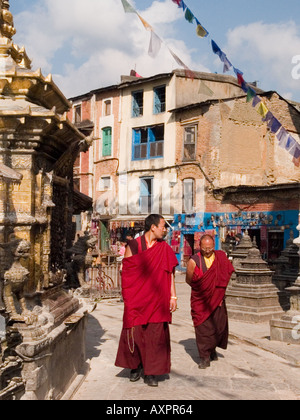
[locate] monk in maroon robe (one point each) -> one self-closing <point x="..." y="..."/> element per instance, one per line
<point x="208" y="274"/>
<point x="149" y="295"/>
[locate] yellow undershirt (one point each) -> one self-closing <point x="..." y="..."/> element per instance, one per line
<point x="209" y="261"/>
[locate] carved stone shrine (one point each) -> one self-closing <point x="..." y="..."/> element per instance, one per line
<point x="287" y="327"/>
<point x="38" y="147"/>
<point x="253" y="297"/>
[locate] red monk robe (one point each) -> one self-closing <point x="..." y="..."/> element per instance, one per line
<point x="146" y="289"/>
<point x="209" y="312"/>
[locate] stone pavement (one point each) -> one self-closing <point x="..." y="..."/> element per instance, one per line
<point x="252" y="368"/>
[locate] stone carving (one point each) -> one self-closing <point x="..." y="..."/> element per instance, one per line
<point x="79" y="260"/>
<point x="15" y="280"/>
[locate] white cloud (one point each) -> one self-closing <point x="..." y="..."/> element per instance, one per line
<point x="264" y="52"/>
<point x="96" y="41"/>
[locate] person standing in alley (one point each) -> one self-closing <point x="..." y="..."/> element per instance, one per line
<point x="148" y="290"/>
<point x="208" y="274"/>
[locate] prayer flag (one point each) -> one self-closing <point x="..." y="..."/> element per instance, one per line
<point x="282" y="137"/>
<point x="256" y="100"/>
<point x="127" y="7"/>
<point x="205" y="90"/>
<point x="146" y="24"/>
<point x="188" y="72"/>
<point x="201" y="31"/>
<point x="295" y="149"/>
<point x="250" y="94"/>
<point x="262" y="109"/>
<point x="178" y="2"/>
<point x="155" y="45"/>
<point x="274" y="125"/>
<point x="189" y="15"/>
<point x="216" y="49"/>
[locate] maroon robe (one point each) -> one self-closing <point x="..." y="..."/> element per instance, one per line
<point x="209" y="312"/>
<point x="146" y="289"/>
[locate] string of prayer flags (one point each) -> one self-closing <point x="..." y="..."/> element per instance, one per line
<point x="285" y="140"/>
<point x="190" y="17"/>
<point x="127" y="7"/>
<point x="217" y="50"/>
<point x="155" y="41"/>
<point x="188" y="72"/>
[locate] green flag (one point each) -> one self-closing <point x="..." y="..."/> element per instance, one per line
<point x="127" y="7"/>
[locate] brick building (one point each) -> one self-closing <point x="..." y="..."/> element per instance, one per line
<point x="193" y="150"/>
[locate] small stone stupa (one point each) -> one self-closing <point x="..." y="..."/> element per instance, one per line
<point x="287" y="327"/>
<point x="253" y="297"/>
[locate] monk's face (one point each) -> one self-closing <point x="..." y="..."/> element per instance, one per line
<point x="207" y="247"/>
<point x="160" y="230"/>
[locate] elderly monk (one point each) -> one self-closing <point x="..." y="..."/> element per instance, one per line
<point x="149" y="295"/>
<point x="208" y="274"/>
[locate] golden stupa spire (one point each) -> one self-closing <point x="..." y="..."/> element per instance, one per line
<point x="7" y="28"/>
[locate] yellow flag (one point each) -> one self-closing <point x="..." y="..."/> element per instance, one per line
<point x="146" y="24"/>
<point x="262" y="109"/>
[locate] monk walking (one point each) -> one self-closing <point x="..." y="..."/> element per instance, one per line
<point x="208" y="274"/>
<point x="149" y="295"/>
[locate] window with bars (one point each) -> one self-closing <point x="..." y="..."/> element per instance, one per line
<point x="189" y="146"/>
<point x="137" y="103"/>
<point x="159" y="99"/>
<point x="148" y="142"/>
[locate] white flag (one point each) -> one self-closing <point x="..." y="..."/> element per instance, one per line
<point x="155" y="44"/>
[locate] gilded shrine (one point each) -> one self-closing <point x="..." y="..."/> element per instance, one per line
<point x="38" y="146"/>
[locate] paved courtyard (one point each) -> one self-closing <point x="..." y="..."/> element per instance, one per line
<point x="252" y="368"/>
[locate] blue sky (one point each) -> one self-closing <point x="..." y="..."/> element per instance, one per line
<point x="89" y="44"/>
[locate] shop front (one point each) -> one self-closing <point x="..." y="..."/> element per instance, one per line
<point x="269" y="230"/>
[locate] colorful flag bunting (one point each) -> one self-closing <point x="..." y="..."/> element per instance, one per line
<point x="127" y="7"/>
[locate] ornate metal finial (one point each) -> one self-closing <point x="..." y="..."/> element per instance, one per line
<point x="7" y="28"/>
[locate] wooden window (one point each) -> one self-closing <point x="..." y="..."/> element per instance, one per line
<point x="137" y="103"/>
<point x="77" y="114"/>
<point x="107" y="107"/>
<point x="189" y="147"/>
<point x="106" y="141"/>
<point x="188" y="195"/>
<point x="146" y="195"/>
<point x="159" y="99"/>
<point x="148" y="142"/>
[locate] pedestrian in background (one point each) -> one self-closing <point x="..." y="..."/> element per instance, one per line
<point x="208" y="274"/>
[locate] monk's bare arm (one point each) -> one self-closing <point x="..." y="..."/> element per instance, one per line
<point x="173" y="302"/>
<point x="190" y="271"/>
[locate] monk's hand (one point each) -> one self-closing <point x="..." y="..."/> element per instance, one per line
<point x="173" y="304"/>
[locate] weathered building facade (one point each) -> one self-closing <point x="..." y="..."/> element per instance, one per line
<point x="198" y="152"/>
